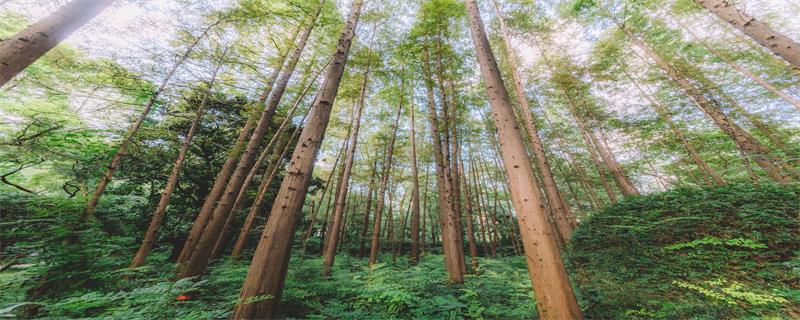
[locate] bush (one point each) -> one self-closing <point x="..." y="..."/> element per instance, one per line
<point x="725" y="252"/>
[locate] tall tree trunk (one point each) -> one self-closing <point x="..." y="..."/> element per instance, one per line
<point x="325" y="191"/>
<point x="667" y="118"/>
<point x="200" y="258"/>
<point x="387" y="168"/>
<point x="222" y="178"/>
<point x="774" y="41"/>
<point x="473" y="248"/>
<point x="745" y="142"/>
<point x="730" y="62"/>
<point x="370" y="192"/>
<point x="161" y="209"/>
<point x="267" y="271"/>
<point x="332" y="240"/>
<point x="620" y="177"/>
<point x="554" y="295"/>
<point x="415" y="189"/>
<point x="105" y="179"/>
<point x="423" y="228"/>
<point x="562" y="214"/>
<point x="22" y="49"/>
<point x="271" y="172"/>
<point x="453" y="251"/>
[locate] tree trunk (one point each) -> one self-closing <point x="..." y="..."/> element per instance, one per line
<point x="730" y="62"/>
<point x="620" y="177"/>
<point x="387" y="168"/>
<point x="370" y="192"/>
<point x="453" y="251"/>
<point x="134" y="128"/>
<point x="554" y="295"/>
<point x="745" y="142"/>
<point x="332" y="240"/>
<point x="665" y="116"/>
<point x="473" y="248"/>
<point x="414" y="257"/>
<point x="267" y="271"/>
<point x="24" y="48"/>
<point x="199" y="260"/>
<point x="271" y="173"/>
<point x="222" y="178"/>
<point x="562" y="214"/>
<point x="322" y="197"/>
<point x="161" y="209"/>
<point x="774" y="41"/>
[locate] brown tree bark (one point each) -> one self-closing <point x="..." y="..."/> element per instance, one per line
<point x="453" y="251"/>
<point x="261" y="194"/>
<point x="774" y="41"/>
<point x="105" y="179"/>
<point x="271" y="171"/>
<point x="415" y="206"/>
<point x="564" y="220"/>
<point x="370" y="192"/>
<point x="172" y="181"/>
<point x="222" y="178"/>
<point x="473" y="248"/>
<point x="554" y="295"/>
<point x="325" y="191"/>
<point x="267" y="271"/>
<point x="199" y="260"/>
<point x="387" y="168"/>
<point x="332" y="240"/>
<point x="22" y="49"/>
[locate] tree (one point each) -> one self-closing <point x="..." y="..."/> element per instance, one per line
<point x="158" y="215"/>
<point x="27" y="46"/>
<point x="555" y="297"/>
<point x="774" y="41"/>
<point x="267" y="271"/>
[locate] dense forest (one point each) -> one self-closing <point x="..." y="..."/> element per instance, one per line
<point x="380" y="159"/>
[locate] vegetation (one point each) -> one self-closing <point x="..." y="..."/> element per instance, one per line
<point x="426" y="159"/>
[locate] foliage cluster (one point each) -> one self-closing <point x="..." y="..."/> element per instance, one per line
<point x="725" y="252"/>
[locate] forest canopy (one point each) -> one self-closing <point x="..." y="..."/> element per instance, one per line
<point x="425" y="159"/>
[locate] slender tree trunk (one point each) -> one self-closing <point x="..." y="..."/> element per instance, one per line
<point x="325" y="191"/>
<point x="562" y="214"/>
<point x="161" y="209"/>
<point x="593" y="154"/>
<point x="745" y="142"/>
<point x="473" y="248"/>
<point x="423" y="228"/>
<point x="665" y="116"/>
<point x="370" y="192"/>
<point x="200" y="258"/>
<point x="478" y="204"/>
<point x="267" y="271"/>
<point x="620" y="177"/>
<point x="272" y="172"/>
<point x="415" y="189"/>
<point x="105" y="179"/>
<point x="774" y="41"/>
<point x="332" y="240"/>
<point x="22" y="49"/>
<point x="453" y="251"/>
<point x="224" y="175"/>
<point x="387" y="168"/>
<point x="554" y="295"/>
<point x="730" y="62"/>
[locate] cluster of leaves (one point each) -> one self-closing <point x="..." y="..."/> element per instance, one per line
<point x="725" y="252"/>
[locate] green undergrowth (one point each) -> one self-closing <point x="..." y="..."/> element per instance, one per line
<point x="718" y="253"/>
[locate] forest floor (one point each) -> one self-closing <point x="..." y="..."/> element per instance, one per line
<point x="726" y="252"/>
